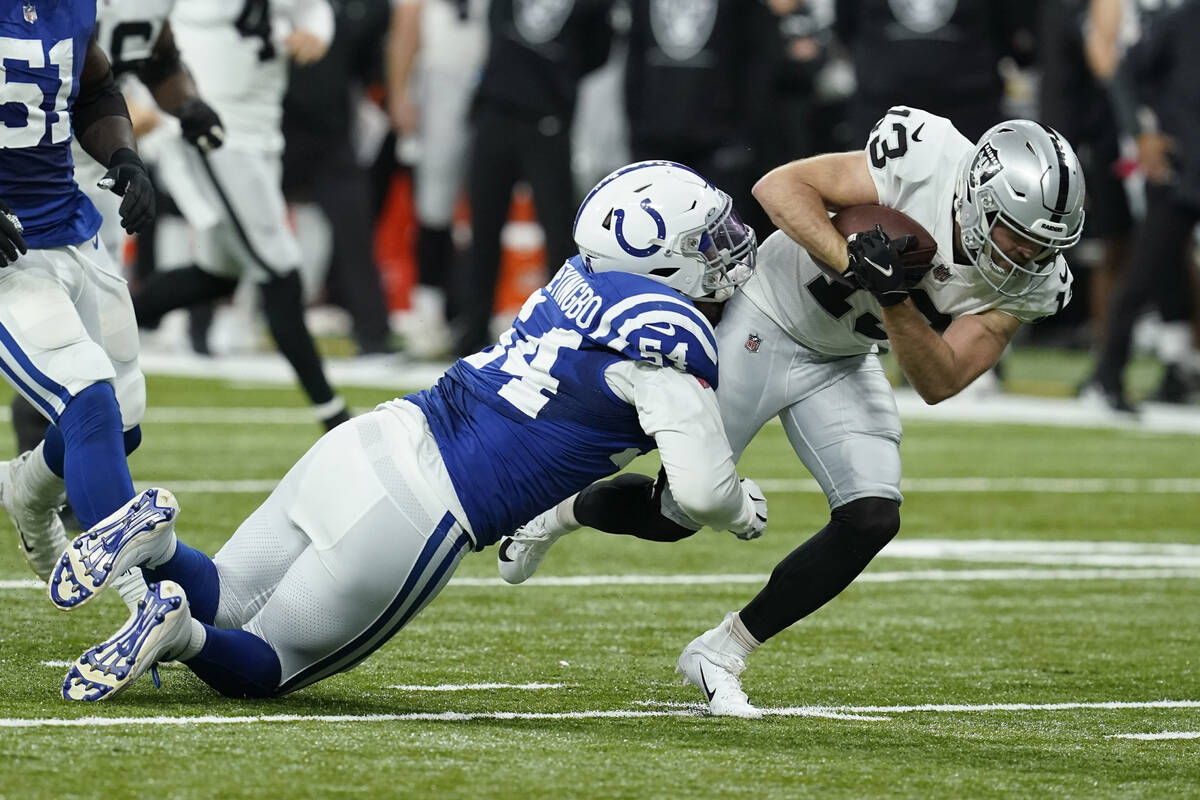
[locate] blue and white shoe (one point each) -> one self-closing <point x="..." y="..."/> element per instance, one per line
<point x="123" y="540"/>
<point x="159" y="630"/>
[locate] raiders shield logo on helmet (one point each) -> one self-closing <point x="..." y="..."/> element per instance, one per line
<point x="752" y="343"/>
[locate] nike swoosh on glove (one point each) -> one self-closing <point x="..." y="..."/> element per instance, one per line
<point x="200" y="124"/>
<point x="877" y="264"/>
<point x="128" y="178"/>
<point x="758" y="523"/>
<point x="12" y="243"/>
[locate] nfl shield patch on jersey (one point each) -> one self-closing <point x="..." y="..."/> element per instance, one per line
<point x="752" y="343"/>
<point x="30" y="12"/>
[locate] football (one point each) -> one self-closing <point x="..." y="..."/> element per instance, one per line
<point x="896" y="224"/>
<point x="856" y="219"/>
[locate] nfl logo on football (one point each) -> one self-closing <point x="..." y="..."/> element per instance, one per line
<point x="752" y="343"/>
<point x="30" y="12"/>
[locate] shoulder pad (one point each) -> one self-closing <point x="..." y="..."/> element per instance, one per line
<point x="662" y="329"/>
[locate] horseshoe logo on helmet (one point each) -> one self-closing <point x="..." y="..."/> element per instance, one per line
<point x="619" y="223"/>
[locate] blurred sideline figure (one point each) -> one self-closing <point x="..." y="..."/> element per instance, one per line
<point x="708" y="63"/>
<point x="435" y="53"/>
<point x="239" y="58"/>
<point x="803" y="346"/>
<point x="613" y="358"/>
<point x="941" y="56"/>
<point x="1074" y="100"/>
<point x="521" y="129"/>
<point x="320" y="165"/>
<point x="69" y="343"/>
<point x="1157" y="90"/>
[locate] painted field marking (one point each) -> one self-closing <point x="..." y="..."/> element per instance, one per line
<point x="978" y="485"/>
<point x="1151" y="737"/>
<point x="472" y="687"/>
<point x="854" y="713"/>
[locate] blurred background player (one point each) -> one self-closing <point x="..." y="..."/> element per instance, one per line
<point x="239" y="54"/>
<point x="320" y="164"/>
<point x="436" y="50"/>
<point x="68" y="339"/>
<point x="521" y="129"/>
<point x="802" y="346"/>
<point x="610" y="360"/>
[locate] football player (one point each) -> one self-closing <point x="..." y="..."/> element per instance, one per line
<point x="238" y="51"/>
<point x="800" y="345"/>
<point x="136" y="39"/>
<point x="68" y="340"/>
<point x="611" y="359"/>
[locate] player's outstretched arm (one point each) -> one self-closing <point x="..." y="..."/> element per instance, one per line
<point x="102" y="126"/>
<point x="168" y="79"/>
<point x="799" y="195"/>
<point x="941" y="366"/>
<point x="682" y="415"/>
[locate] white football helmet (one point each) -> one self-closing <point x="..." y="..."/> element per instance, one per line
<point x="1024" y="176"/>
<point x="663" y="220"/>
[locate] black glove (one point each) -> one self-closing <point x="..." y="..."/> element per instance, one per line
<point x="12" y="243"/>
<point x="876" y="264"/>
<point x="201" y="125"/>
<point x="128" y="178"/>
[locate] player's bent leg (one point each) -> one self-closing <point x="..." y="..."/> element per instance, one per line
<point x="713" y="663"/>
<point x="818" y="570"/>
<point x="142" y="532"/>
<point x="160" y="629"/>
<point x="33" y="495"/>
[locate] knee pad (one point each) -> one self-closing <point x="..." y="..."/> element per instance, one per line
<point x="869" y="522"/>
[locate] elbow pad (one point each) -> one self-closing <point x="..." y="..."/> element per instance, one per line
<point x="96" y="101"/>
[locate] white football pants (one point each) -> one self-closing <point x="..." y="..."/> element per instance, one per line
<point x="348" y="548"/>
<point x="838" y="412"/>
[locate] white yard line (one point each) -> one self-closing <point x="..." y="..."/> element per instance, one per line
<point x="900" y="576"/>
<point x="473" y="687"/>
<point x="1151" y="737"/>
<point x="855" y="713"/>
<point x="809" y="486"/>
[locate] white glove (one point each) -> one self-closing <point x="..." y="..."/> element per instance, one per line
<point x="757" y="525"/>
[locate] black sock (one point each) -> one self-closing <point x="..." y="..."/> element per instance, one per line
<point x="177" y="288"/>
<point x="283" y="306"/>
<point x="435" y="256"/>
<point x="628" y="504"/>
<point x="818" y="570"/>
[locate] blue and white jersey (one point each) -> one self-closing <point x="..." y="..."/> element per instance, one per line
<point x="531" y="420"/>
<point x="42" y="48"/>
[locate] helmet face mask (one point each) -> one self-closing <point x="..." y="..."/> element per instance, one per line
<point x="1021" y="189"/>
<point x="662" y="220"/>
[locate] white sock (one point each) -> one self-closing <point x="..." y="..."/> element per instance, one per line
<point x="164" y="555"/>
<point x="564" y="516"/>
<point x="40" y="480"/>
<point x="740" y="639"/>
<point x="132" y="588"/>
<point x="195" y="642"/>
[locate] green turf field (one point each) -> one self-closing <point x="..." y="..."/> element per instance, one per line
<point x="1002" y="647"/>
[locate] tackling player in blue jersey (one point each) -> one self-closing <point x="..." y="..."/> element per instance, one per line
<point x="68" y="341"/>
<point x="611" y="359"/>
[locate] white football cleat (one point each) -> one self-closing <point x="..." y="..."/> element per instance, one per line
<point x="125" y="539"/>
<point x="34" y="513"/>
<point x="159" y="630"/>
<point x="520" y="554"/>
<point x="715" y="672"/>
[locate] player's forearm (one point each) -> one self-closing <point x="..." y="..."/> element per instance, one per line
<point x="799" y="210"/>
<point x="106" y="136"/>
<point x="926" y="358"/>
<point x="404" y="39"/>
<point x="174" y="91"/>
<point x="704" y="484"/>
